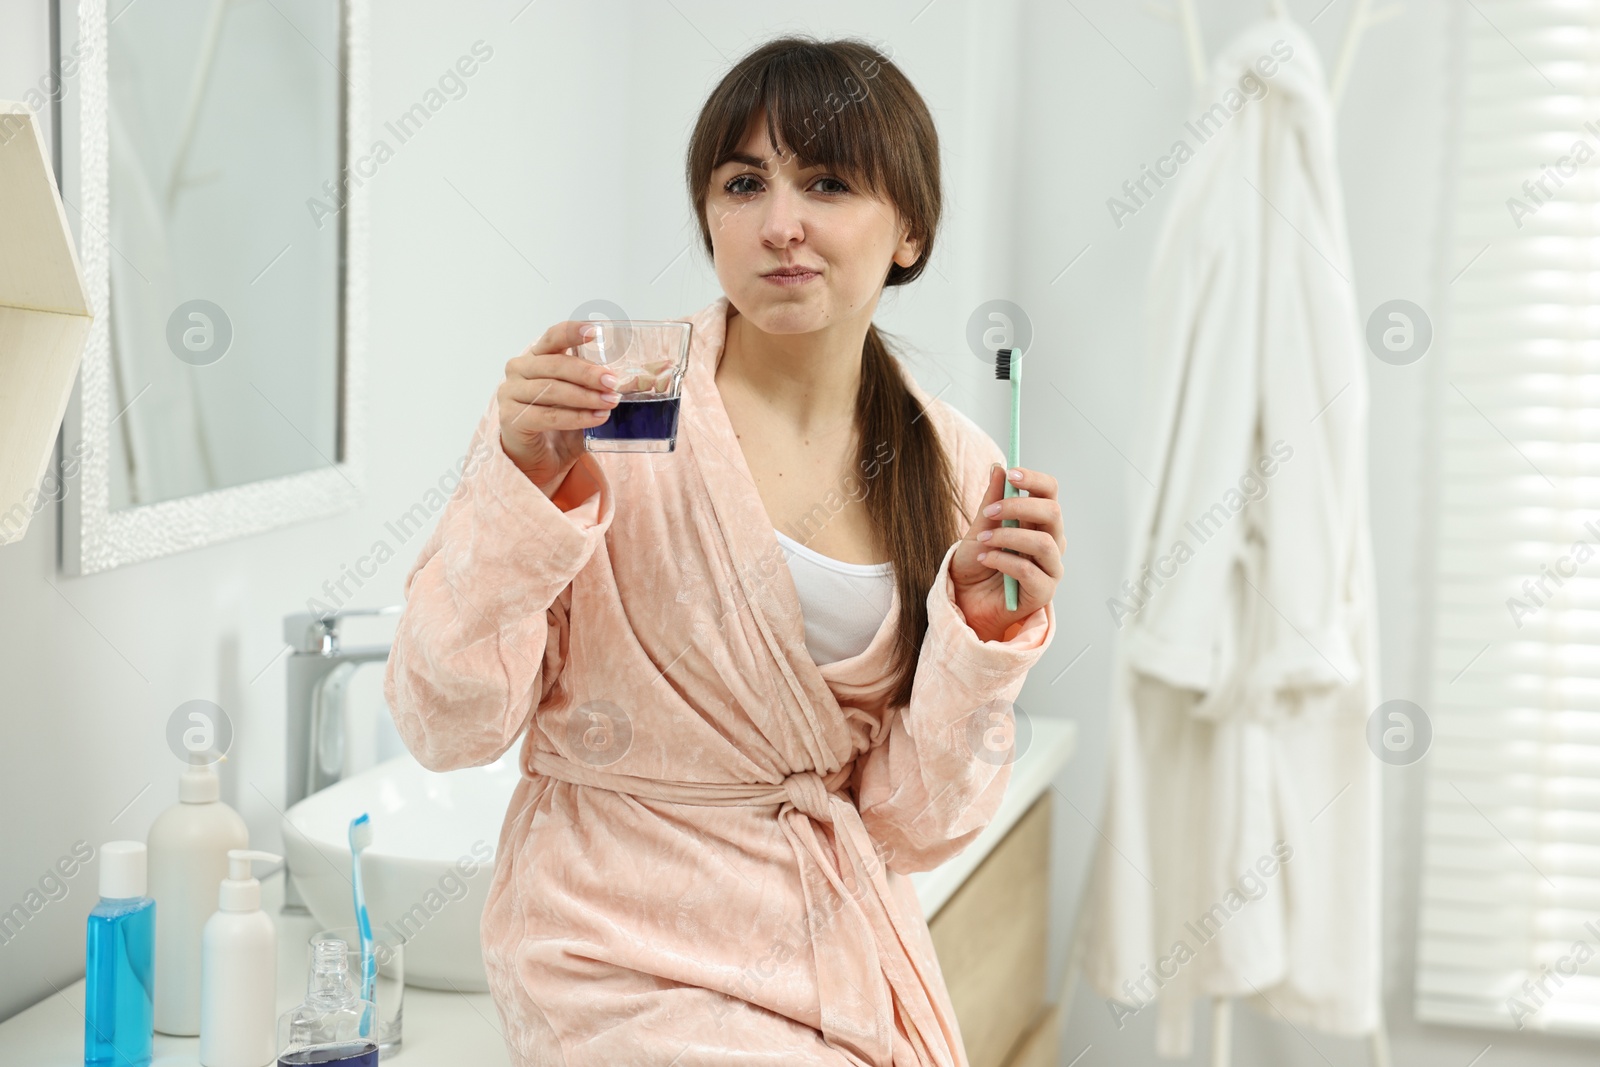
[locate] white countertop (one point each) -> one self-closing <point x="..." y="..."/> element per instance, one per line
<point x="464" y="1028"/>
<point x="439" y="1028"/>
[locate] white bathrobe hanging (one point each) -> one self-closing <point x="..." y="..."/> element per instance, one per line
<point x="1241" y="850"/>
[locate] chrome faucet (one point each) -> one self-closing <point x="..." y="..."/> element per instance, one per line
<point x="319" y="673"/>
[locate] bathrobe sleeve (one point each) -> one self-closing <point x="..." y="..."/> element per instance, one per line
<point x="938" y="777"/>
<point x="483" y="637"/>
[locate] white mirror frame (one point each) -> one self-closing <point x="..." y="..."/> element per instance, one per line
<point x="93" y="537"/>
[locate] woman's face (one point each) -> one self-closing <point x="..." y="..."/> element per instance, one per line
<point x="766" y="212"/>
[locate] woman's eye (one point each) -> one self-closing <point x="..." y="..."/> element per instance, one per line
<point x="747" y="183"/>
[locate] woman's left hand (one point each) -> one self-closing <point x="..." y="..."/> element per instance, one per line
<point x="979" y="566"/>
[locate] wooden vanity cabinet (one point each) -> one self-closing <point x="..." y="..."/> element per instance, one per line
<point x="991" y="939"/>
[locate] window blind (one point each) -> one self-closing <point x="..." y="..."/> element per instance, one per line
<point x="1508" y="932"/>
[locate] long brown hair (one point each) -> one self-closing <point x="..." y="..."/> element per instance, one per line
<point x="841" y="104"/>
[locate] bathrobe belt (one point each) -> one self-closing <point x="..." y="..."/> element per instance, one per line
<point x="858" y="936"/>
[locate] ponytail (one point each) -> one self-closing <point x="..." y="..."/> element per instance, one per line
<point x="911" y="498"/>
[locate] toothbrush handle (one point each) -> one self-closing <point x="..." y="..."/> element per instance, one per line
<point x="1014" y="459"/>
<point x="369" y="962"/>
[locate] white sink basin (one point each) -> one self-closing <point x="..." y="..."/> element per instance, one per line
<point x="427" y="871"/>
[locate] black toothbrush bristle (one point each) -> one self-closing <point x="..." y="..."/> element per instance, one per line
<point x="1002" y="365"/>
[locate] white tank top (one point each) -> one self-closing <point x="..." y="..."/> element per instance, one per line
<point x="844" y="603"/>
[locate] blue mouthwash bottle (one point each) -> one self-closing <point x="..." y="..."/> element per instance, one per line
<point x="334" y="1025"/>
<point x="118" y="1008"/>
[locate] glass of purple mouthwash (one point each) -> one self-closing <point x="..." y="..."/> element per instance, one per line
<point x="649" y="358"/>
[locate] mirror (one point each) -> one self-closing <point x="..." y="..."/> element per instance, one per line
<point x="217" y="115"/>
<point x="219" y="234"/>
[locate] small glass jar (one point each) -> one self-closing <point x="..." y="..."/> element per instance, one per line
<point x="389" y="986"/>
<point x="334" y="1025"/>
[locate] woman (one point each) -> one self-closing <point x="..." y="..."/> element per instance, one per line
<point x="705" y="860"/>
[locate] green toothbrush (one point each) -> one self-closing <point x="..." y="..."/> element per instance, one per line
<point x="1008" y="368"/>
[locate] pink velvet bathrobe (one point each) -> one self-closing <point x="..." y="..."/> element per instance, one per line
<point x="705" y="860"/>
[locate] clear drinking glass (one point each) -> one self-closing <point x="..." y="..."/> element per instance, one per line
<point x="649" y="358"/>
<point x="388" y="993"/>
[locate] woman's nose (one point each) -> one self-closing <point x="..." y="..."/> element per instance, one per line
<point x="783" y="220"/>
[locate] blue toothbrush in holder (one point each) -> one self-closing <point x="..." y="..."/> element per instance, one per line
<point x="360" y="839"/>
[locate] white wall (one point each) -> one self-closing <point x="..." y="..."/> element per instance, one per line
<point x="1044" y="109"/>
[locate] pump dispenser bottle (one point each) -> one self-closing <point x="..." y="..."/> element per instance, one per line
<point x="238" y="971"/>
<point x="119" y="963"/>
<point x="189" y="846"/>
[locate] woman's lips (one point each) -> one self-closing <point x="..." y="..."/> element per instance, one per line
<point x="792" y="279"/>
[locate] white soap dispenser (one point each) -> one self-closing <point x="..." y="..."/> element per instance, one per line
<point x="239" y="972"/>
<point x="189" y="845"/>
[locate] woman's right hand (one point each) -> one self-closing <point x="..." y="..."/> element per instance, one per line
<point x="547" y="400"/>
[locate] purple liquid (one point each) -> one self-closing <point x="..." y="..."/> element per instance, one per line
<point x="655" y="419"/>
<point x="345" y="1054"/>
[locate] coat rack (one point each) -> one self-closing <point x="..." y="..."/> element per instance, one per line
<point x="1362" y="19"/>
<point x="1183" y="12"/>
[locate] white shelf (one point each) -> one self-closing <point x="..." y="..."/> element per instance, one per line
<point x="44" y="316"/>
